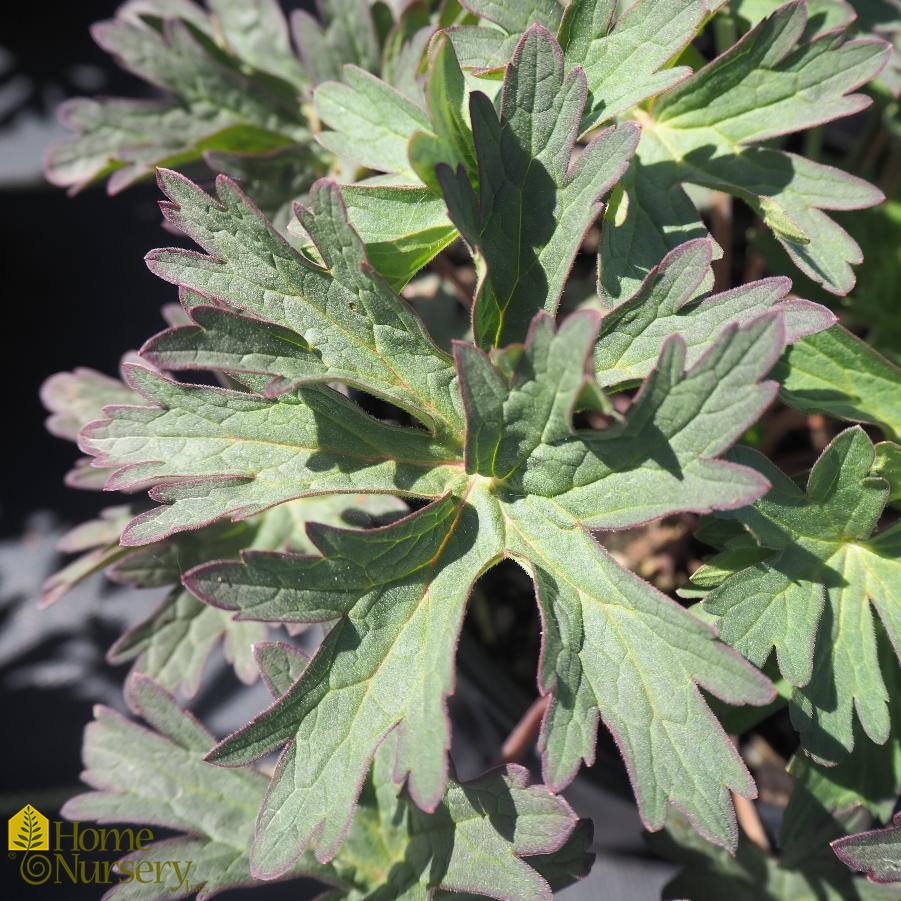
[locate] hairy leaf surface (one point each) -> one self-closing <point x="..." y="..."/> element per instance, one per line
<point x="226" y="94"/>
<point x="535" y="203"/>
<point x="876" y="853"/>
<point x="397" y="595"/>
<point x="392" y="847"/>
<point x="814" y="597"/>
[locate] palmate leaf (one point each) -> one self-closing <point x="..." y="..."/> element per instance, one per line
<point x="705" y="132"/>
<point x="212" y="453"/>
<point x="876" y="853"/>
<point x="813" y="597"/>
<point x="76" y="398"/>
<point x="226" y="92"/>
<point x="535" y="203"/>
<point x="612" y="643"/>
<point x="393" y="850"/>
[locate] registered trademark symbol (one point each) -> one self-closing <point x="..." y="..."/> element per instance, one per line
<point x="12" y="855"/>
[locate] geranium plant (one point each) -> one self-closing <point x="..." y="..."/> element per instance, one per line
<point x="562" y="176"/>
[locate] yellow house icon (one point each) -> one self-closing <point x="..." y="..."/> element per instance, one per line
<point x="29" y="830"/>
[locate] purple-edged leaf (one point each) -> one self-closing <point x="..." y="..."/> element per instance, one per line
<point x="173" y="644"/>
<point x="212" y="453"/>
<point x="778" y="78"/>
<point x="805" y="870"/>
<point x="674" y="299"/>
<point x="398" y="596"/>
<point x="624" y="54"/>
<point x="662" y="459"/>
<point x="602" y="625"/>
<point x="838" y="374"/>
<point x="535" y="203"/>
<point x="813" y="599"/>
<point x="225" y="94"/>
<point x="355" y="327"/>
<point x="155" y="776"/>
<point x="775" y="80"/>
<point x="876" y="853"/>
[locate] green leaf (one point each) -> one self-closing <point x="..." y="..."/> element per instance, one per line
<point x="661" y="459"/>
<point x="213" y="453"/>
<point x="173" y="644"/>
<point x="403" y="227"/>
<point x="402" y="590"/>
<point x="392" y="849"/>
<point x="876" y="853"/>
<point x="397" y="594"/>
<point x="813" y="599"/>
<point x="347" y="35"/>
<point x="648" y="216"/>
<point x="806" y="870"/>
<point x="870" y="776"/>
<point x="488" y="49"/>
<point x="674" y="299"/>
<point x="624" y="54"/>
<point x="534" y="204"/>
<point x="354" y="325"/>
<point x="175" y="790"/>
<point x="371" y="122"/>
<point x="448" y="140"/>
<point x="776" y="79"/>
<point x="773" y="81"/>
<point x="228" y="98"/>
<point x="822" y="15"/>
<point x="836" y="373"/>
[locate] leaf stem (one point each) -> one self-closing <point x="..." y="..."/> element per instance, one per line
<point x="524" y="733"/>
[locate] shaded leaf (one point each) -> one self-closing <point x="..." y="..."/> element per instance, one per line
<point x="813" y="600"/>
<point x="876" y="853"/>
<point x="534" y="204"/>
<point x="836" y="373"/>
<point x="230" y="98"/>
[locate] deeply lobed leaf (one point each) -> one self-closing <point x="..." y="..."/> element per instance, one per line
<point x="814" y="595"/>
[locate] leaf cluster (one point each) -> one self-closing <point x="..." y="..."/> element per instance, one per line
<point x="308" y="449"/>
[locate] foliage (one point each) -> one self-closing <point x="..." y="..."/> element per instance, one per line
<point x="348" y="466"/>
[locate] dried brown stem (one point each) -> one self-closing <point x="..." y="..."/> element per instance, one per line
<point x="749" y="820"/>
<point x="721" y="227"/>
<point x="448" y="271"/>
<point x="524" y="733"/>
